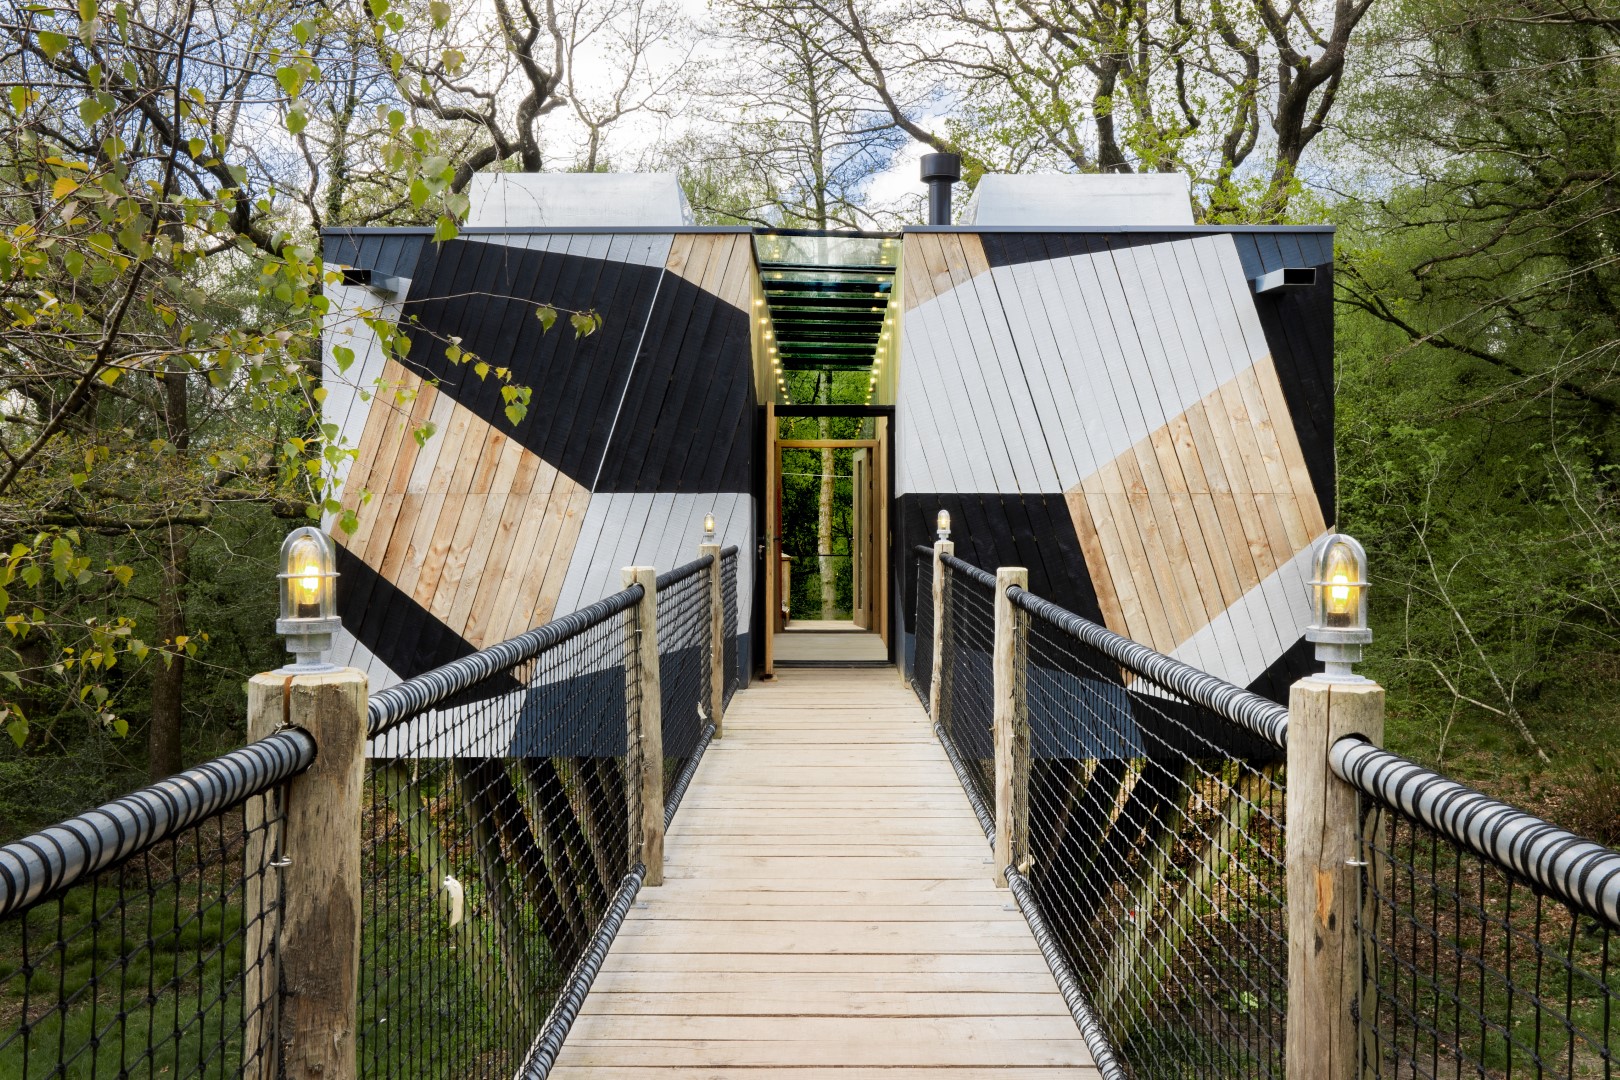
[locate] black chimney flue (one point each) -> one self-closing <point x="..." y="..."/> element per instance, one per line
<point x="939" y="172"/>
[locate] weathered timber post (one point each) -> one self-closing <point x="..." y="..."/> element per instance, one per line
<point x="1011" y="721"/>
<point x="309" y="1000"/>
<point x="717" y="639"/>
<point x="644" y="748"/>
<point x="1324" y="853"/>
<point x="941" y="549"/>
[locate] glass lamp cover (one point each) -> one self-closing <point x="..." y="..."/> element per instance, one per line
<point x="308" y="576"/>
<point x="1341" y="584"/>
<point x="943" y="522"/>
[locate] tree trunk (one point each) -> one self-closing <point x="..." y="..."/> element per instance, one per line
<point x="829" y="591"/>
<point x="169" y="674"/>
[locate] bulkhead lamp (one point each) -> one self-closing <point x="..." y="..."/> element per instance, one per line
<point x="943" y="524"/>
<point x="708" y="528"/>
<point x="1339" y="602"/>
<point x="308" y="599"/>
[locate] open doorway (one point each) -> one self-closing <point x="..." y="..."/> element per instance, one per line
<point x="829" y="515"/>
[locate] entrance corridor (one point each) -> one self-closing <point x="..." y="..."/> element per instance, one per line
<point x="827" y="909"/>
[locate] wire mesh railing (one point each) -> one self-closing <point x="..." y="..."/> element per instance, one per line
<point x="496" y="835"/>
<point x="684" y="669"/>
<point x="733" y="659"/>
<point x="922" y="652"/>
<point x="1155" y="807"/>
<point x="1156" y="842"/>
<point x="1488" y="936"/>
<point x="501" y="830"/>
<point x="966" y="705"/>
<point x="137" y="938"/>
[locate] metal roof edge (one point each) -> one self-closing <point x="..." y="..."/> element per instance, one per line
<point x="530" y="230"/>
<point x="1179" y="229"/>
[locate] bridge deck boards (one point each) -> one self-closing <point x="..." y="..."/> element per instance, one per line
<point x="827" y="908"/>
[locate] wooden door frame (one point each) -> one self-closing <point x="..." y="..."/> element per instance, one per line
<point x="879" y="588"/>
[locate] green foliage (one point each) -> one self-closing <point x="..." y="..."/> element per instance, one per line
<point x="1478" y="444"/>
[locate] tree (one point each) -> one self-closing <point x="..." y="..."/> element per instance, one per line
<point x="161" y="355"/>
<point x="1231" y="95"/>
<point x="1477" y="280"/>
<point x="801" y="138"/>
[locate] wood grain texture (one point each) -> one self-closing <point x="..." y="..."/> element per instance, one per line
<point x="823" y="916"/>
<point x="319" y="945"/>
<point x="1324" y="842"/>
<point x="1171" y="561"/>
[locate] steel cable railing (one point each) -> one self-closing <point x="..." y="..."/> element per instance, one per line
<point x="922" y="652"/>
<point x="684" y="669"/>
<point x="496" y="835"/>
<point x="1155" y="881"/>
<point x="498" y="857"/>
<point x="966" y="705"/>
<point x="1487" y="934"/>
<point x="728" y="601"/>
<point x="128" y="934"/>
<point x="1155" y="833"/>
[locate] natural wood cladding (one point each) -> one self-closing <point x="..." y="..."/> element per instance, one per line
<point x="1197" y="513"/>
<point x="472" y="527"/>
<point x="935" y="263"/>
<point x="467" y="538"/>
<point x="1178" y="427"/>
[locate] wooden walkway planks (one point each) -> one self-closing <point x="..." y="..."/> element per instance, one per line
<point x="827" y="908"/>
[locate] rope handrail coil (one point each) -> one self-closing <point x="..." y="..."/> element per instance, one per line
<point x="983" y="577"/>
<point x="1580" y="872"/>
<point x="389" y="708"/>
<point x="729" y="551"/>
<point x="57" y="858"/>
<point x="1245" y="708"/>
<point x="681" y="573"/>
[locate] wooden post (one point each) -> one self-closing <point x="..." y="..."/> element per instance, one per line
<point x="644" y="758"/>
<point x="315" y="1002"/>
<point x="941" y="549"/>
<point x="717" y="639"/>
<point x="1323" y="855"/>
<point x="1011" y="727"/>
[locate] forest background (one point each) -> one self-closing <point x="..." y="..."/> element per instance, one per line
<point x="166" y="169"/>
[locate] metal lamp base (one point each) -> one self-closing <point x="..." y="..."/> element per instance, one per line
<point x="1337" y="657"/>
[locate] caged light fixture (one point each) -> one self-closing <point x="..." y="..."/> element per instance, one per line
<point x="308" y="600"/>
<point x="1339" y="599"/>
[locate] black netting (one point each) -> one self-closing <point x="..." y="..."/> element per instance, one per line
<point x="1156" y="836"/>
<point x="728" y="598"/>
<point x="156" y="965"/>
<point x="497" y="831"/>
<point x="966" y="697"/>
<point x="922" y="654"/>
<point x="1470" y="970"/>
<point x="684" y="663"/>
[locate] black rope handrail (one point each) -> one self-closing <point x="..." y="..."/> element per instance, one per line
<point x="1085" y="1018"/>
<point x="398" y="703"/>
<point x="729" y="551"/>
<point x="65" y="854"/>
<point x="983" y="577"/>
<point x="1245" y="708"/>
<point x="548" y="1044"/>
<point x="987" y="818"/>
<point x="681" y="573"/>
<point x="672" y="800"/>
<point x="1580" y="872"/>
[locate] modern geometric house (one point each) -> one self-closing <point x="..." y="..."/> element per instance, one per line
<point x="1136" y="408"/>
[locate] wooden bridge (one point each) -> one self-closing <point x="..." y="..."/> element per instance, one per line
<point x="827" y="904"/>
